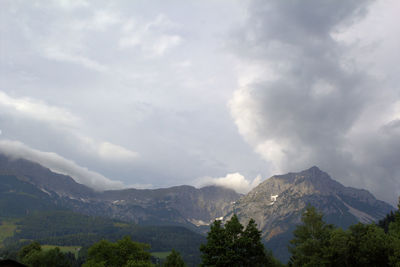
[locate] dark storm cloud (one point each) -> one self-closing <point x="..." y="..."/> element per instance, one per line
<point x="308" y="103"/>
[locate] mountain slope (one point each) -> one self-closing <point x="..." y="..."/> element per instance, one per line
<point x="44" y="178"/>
<point x="179" y="205"/>
<point x="65" y="228"/>
<point x="18" y="197"/>
<point x="277" y="205"/>
<point x="198" y="206"/>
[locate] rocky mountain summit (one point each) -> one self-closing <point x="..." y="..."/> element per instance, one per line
<point x="277" y="204"/>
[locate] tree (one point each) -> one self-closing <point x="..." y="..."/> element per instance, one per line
<point x="316" y="243"/>
<point x="215" y="250"/>
<point x="123" y="253"/>
<point x="394" y="238"/>
<point x="384" y="223"/>
<point x="254" y="251"/>
<point x="337" y="252"/>
<point x="33" y="256"/>
<point x="311" y="240"/>
<point x="31" y="248"/>
<point x="367" y="245"/>
<point x="233" y="246"/>
<point x="174" y="260"/>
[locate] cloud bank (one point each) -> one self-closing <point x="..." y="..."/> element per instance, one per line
<point x="235" y="181"/>
<point x="59" y="164"/>
<point x="63" y="120"/>
<point x="306" y="97"/>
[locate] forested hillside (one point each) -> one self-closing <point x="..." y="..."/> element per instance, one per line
<point x="65" y="228"/>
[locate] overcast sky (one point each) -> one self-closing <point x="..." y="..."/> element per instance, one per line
<point x="152" y="94"/>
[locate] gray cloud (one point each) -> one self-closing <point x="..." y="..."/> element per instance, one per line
<point x="308" y="103"/>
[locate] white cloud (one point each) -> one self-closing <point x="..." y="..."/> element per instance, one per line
<point x="234" y="181"/>
<point x="140" y="186"/>
<point x="101" y="20"/>
<point x="72" y="4"/>
<point x="59" y="117"/>
<point x="38" y="110"/>
<point x="59" y="164"/>
<point x="61" y="54"/>
<point x="155" y="37"/>
<point x="165" y="42"/>
<point x="106" y="151"/>
<point x="114" y="152"/>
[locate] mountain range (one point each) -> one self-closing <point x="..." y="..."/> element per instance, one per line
<point x="182" y="205"/>
<point x="276" y="204"/>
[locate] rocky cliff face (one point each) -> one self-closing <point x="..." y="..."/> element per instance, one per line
<point x="198" y="206"/>
<point x="277" y="204"/>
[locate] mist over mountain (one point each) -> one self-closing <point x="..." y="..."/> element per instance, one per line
<point x="44" y="178"/>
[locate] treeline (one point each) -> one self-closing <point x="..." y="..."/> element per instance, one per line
<point x="123" y="253"/>
<point x="65" y="228"/>
<point x="315" y="243"/>
<point x="34" y="256"/>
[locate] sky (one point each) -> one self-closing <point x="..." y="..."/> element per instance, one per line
<point x="151" y="94"/>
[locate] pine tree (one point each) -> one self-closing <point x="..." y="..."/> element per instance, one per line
<point x="174" y="260"/>
<point x="394" y="238"/>
<point x="251" y="242"/>
<point x="215" y="251"/>
<point x="367" y="245"/>
<point x="311" y="240"/>
<point x="233" y="246"/>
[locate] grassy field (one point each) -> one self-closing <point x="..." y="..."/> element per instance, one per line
<point x="121" y="225"/>
<point x="7" y="228"/>
<point x="64" y="249"/>
<point x="160" y="254"/>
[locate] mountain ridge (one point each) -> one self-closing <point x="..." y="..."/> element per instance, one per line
<point x="276" y="204"/>
<point x="182" y="205"/>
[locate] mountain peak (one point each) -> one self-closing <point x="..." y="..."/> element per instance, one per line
<point x="314" y="169"/>
<point x="313" y="176"/>
<point x="277" y="203"/>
